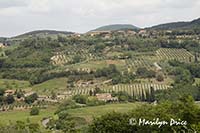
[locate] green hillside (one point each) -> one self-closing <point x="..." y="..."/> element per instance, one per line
<point x="116" y="27"/>
<point x="2" y="39"/>
<point x="44" y="32"/>
<point x="178" y="25"/>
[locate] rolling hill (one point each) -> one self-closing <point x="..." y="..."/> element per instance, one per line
<point x="116" y="27"/>
<point x="178" y="25"/>
<point x="2" y="39"/>
<point x="43" y="33"/>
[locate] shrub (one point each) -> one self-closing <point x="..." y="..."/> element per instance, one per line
<point x="160" y="77"/>
<point x="93" y="101"/>
<point x="35" y="111"/>
<point x="145" y="73"/>
<point x="10" y="99"/>
<point x="80" y="99"/>
<point x="31" y="99"/>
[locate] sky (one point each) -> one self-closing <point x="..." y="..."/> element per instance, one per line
<point x="20" y="16"/>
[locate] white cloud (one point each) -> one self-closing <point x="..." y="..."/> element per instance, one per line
<point x="83" y="15"/>
<point x="39" y="6"/>
<point x="12" y="3"/>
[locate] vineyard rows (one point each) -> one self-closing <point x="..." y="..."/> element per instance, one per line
<point x="64" y="57"/>
<point x="138" y="62"/>
<point x="175" y="54"/>
<point x="136" y="90"/>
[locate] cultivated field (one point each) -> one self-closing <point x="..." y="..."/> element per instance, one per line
<point x="23" y="115"/>
<point x="174" y="54"/>
<point x="136" y="90"/>
<point x="90" y="112"/>
<point x="135" y="63"/>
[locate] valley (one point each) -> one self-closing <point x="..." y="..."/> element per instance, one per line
<point x="75" y="82"/>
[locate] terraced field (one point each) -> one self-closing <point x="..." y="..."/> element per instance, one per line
<point x="136" y="90"/>
<point x="135" y="63"/>
<point x="174" y="54"/>
<point x="66" y="56"/>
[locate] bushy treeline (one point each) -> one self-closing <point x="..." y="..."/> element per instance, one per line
<point x="21" y="127"/>
<point x="34" y="52"/>
<point x="183" y="109"/>
<point x="191" y="45"/>
<point x="193" y="68"/>
<point x="184" y="75"/>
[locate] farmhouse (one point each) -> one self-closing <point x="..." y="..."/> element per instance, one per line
<point x="42" y="97"/>
<point x="2" y="45"/>
<point x="29" y="93"/>
<point x="106" y="97"/>
<point x="61" y="97"/>
<point x="94" y="33"/>
<point x="9" y="92"/>
<point x="84" y="84"/>
<point x="131" y="32"/>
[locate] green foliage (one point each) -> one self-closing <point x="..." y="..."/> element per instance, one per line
<point x="21" y="127"/>
<point x="116" y="27"/>
<point x="111" y="72"/>
<point x="10" y="99"/>
<point x="2" y="91"/>
<point x="139" y="44"/>
<point x="35" y="52"/>
<point x="80" y="99"/>
<point x="76" y="59"/>
<point x="31" y="99"/>
<point x="160" y="77"/>
<point x="183" y="109"/>
<point x="63" y="123"/>
<point x="67" y="104"/>
<point x="122" y="96"/>
<point x="19" y="93"/>
<point x="99" y="47"/>
<point x="192" y="67"/>
<point x="179" y="90"/>
<point x="144" y="73"/>
<point x="107" y="71"/>
<point x="182" y="75"/>
<point x="93" y="101"/>
<point x="96" y="90"/>
<point x="35" y="111"/>
<point x="111" y="122"/>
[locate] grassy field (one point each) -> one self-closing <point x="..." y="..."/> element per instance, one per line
<point x="90" y="112"/>
<point x="87" y="112"/>
<point x="13" y="116"/>
<point x="50" y="85"/>
<point x="13" y="84"/>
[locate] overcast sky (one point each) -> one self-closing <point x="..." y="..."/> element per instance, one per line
<point x="19" y="16"/>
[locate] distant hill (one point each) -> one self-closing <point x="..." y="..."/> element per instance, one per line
<point x="2" y="39"/>
<point x="43" y="33"/>
<point x="116" y="27"/>
<point x="178" y="25"/>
